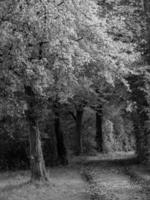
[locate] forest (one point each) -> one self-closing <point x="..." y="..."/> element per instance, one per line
<point x="74" y="99"/>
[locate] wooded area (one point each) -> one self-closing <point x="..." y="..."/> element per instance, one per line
<point x="74" y="80"/>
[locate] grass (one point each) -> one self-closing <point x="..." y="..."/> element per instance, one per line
<point x="88" y="178"/>
<point x="65" y="184"/>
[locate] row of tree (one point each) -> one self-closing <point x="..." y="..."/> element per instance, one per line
<point x="73" y="55"/>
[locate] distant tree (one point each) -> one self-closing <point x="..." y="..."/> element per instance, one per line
<point x="82" y="98"/>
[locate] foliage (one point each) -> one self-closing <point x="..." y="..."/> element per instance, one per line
<point x="80" y="53"/>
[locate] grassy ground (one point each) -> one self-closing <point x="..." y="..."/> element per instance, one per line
<point x="65" y="184"/>
<point x="86" y="178"/>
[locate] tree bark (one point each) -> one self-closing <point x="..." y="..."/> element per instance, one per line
<point x="51" y="149"/>
<point x="146" y="10"/>
<point x="37" y="164"/>
<point x="38" y="170"/>
<point x="147" y="56"/>
<point x="139" y="138"/>
<point x="99" y="131"/>
<point x="78" y="136"/>
<point x="61" y="149"/>
<point x="140" y="117"/>
<point x="144" y="136"/>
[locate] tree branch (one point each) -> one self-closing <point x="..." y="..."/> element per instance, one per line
<point x="60" y="3"/>
<point x="73" y="115"/>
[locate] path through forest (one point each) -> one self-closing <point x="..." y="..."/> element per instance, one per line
<point x="117" y="179"/>
<point x="86" y="178"/>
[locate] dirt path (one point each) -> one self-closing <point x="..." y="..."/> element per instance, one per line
<point x="113" y="180"/>
<point x="90" y="178"/>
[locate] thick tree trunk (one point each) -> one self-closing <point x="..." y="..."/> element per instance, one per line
<point x="141" y="134"/>
<point x="99" y="131"/>
<point x="147" y="56"/>
<point x="146" y="8"/>
<point x="139" y="138"/>
<point x="147" y="148"/>
<point x="51" y="149"/>
<point x="50" y="146"/>
<point x="61" y="149"/>
<point x="78" y="136"/>
<point x="38" y="170"/>
<point x="37" y="164"/>
<point x="144" y="138"/>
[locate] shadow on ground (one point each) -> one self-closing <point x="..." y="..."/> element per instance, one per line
<point x="11" y="187"/>
<point x="114" y="162"/>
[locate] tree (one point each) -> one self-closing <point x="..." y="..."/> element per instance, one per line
<point x="61" y="149"/>
<point x="125" y="25"/>
<point x="78" y="117"/>
<point x="38" y="39"/>
<point x="37" y="164"/>
<point x="140" y="86"/>
<point x="145" y="71"/>
<point x="51" y="52"/>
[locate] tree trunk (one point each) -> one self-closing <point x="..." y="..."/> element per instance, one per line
<point x="139" y="138"/>
<point x="38" y="170"/>
<point x="147" y="132"/>
<point x="52" y="149"/>
<point x="37" y="164"/>
<point x="147" y="148"/>
<point x="141" y="133"/>
<point x="144" y="138"/>
<point x="140" y="117"/>
<point x="78" y="136"/>
<point x="146" y="7"/>
<point x="61" y="149"/>
<point x="99" y="131"/>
